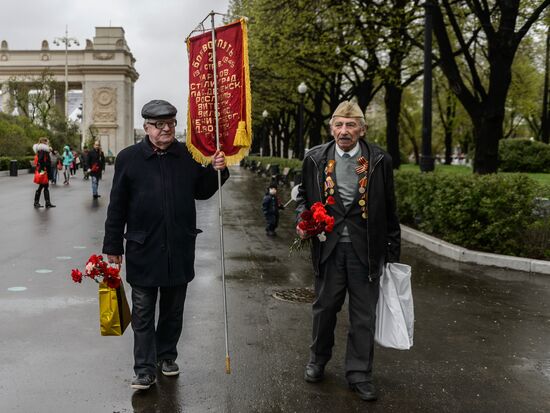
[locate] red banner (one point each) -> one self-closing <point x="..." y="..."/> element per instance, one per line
<point x="234" y="100"/>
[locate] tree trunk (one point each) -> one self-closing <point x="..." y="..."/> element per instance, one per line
<point x="448" y="146"/>
<point x="392" y="101"/>
<point x="545" y="118"/>
<point x="449" y="124"/>
<point x="487" y="133"/>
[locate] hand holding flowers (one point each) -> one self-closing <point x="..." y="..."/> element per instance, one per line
<point x="99" y="271"/>
<point x="314" y="222"/>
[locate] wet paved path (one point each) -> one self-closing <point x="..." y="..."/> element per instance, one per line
<point x="482" y="336"/>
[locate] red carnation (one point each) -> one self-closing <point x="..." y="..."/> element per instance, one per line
<point x="330" y="200"/>
<point x="77" y="275"/>
<point x="99" y="270"/>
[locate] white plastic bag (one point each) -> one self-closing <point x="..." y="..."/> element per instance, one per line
<point x="395" y="309"/>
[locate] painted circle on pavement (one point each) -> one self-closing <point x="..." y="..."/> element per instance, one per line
<point x="17" y="289"/>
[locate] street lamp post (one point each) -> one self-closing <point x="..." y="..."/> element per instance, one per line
<point x="426" y="158"/>
<point x="302" y="89"/>
<point x="265" y="114"/>
<point x="68" y="41"/>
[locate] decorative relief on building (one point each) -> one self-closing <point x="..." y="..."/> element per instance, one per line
<point x="104" y="56"/>
<point x="4" y="45"/>
<point x="45" y="45"/>
<point x="45" y="56"/>
<point x="104" y="105"/>
<point x="89" y="44"/>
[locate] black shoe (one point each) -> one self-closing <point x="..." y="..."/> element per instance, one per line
<point x="169" y="368"/>
<point x="143" y="381"/>
<point x="50" y="205"/>
<point x="314" y="373"/>
<point x="365" y="390"/>
<point x="37" y="205"/>
<point x="97" y="196"/>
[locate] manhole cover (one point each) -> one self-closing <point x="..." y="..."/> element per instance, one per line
<point x="295" y="295"/>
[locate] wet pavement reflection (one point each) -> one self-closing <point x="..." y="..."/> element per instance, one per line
<point x="482" y="335"/>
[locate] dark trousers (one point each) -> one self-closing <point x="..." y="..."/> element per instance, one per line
<point x="272" y="221"/>
<point x="343" y="271"/>
<point x="154" y="344"/>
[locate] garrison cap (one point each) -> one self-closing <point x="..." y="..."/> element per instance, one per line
<point x="158" y="109"/>
<point x="348" y="109"/>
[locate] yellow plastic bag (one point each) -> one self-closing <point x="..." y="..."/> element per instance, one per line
<point x="114" y="311"/>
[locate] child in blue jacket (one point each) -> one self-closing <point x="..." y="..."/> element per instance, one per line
<point x="270" y="207"/>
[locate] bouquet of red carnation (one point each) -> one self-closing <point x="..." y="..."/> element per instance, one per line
<point x="315" y="222"/>
<point x="99" y="271"/>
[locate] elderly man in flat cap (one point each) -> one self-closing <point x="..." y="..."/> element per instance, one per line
<point x="359" y="176"/>
<point x="155" y="185"/>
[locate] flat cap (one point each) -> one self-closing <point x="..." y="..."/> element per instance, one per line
<point x="158" y="109"/>
<point x="348" y="109"/>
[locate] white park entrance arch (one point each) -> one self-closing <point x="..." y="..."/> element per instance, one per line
<point x="103" y="70"/>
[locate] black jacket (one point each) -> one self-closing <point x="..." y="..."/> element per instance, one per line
<point x="376" y="240"/>
<point x="153" y="196"/>
<point x="95" y="157"/>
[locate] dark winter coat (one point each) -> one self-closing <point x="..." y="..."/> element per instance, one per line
<point x="95" y="157"/>
<point x="153" y="196"/>
<point x="270" y="208"/>
<point x="376" y="240"/>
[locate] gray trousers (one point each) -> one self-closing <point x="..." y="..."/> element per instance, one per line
<point x="343" y="271"/>
<point x="155" y="344"/>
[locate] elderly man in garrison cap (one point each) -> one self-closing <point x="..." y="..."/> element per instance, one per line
<point x="357" y="179"/>
<point x="155" y="185"/>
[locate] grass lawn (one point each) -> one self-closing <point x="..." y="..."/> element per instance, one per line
<point x="465" y="170"/>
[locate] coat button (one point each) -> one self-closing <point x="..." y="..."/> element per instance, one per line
<point x="163" y="247"/>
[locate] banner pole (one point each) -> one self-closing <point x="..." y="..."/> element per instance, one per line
<point x="220" y="209"/>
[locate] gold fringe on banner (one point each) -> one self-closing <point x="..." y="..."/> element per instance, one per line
<point x="243" y="135"/>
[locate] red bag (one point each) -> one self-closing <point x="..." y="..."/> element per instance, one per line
<point x="95" y="168"/>
<point x="59" y="165"/>
<point x="40" y="178"/>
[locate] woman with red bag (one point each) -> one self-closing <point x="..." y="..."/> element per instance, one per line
<point x="42" y="171"/>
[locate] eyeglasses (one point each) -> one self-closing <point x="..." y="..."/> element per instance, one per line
<point x="160" y="124"/>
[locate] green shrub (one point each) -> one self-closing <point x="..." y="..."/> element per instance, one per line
<point x="524" y="155"/>
<point x="492" y="213"/>
<point x="282" y="162"/>
<point x="23" y="162"/>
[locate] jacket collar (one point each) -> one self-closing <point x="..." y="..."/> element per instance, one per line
<point x="174" y="149"/>
<point x="321" y="153"/>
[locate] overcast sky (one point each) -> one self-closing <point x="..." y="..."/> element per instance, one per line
<point x="155" y="32"/>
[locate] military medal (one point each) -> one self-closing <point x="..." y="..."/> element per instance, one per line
<point x="329" y="182"/>
<point x="363" y="169"/>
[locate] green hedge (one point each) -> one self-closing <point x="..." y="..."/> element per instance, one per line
<point x="524" y="155"/>
<point x="492" y="213"/>
<point x="23" y="162"/>
<point x="282" y="162"/>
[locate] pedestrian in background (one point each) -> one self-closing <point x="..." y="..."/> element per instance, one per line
<point x="67" y="161"/>
<point x="270" y="207"/>
<point x="54" y="158"/>
<point x="96" y="164"/>
<point x="72" y="166"/>
<point x="84" y="163"/>
<point x="366" y="235"/>
<point x="43" y="165"/>
<point x="152" y="206"/>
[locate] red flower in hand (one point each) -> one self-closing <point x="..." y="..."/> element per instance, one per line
<point x="99" y="270"/>
<point x="330" y="200"/>
<point x="77" y="275"/>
